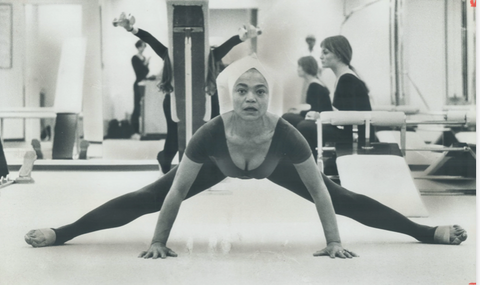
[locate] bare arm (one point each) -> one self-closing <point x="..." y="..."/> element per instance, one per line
<point x="184" y="178"/>
<point x="312" y="179"/>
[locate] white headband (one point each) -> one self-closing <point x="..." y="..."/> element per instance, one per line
<point x="227" y="78"/>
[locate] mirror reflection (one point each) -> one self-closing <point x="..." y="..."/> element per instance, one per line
<point x="409" y="53"/>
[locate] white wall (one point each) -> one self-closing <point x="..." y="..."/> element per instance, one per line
<point x="13" y="80"/>
<point x="425" y="53"/>
<point x="47" y="26"/>
<point x="286" y="24"/>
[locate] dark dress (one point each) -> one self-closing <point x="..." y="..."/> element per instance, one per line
<point x="351" y="94"/>
<point x="318" y="97"/>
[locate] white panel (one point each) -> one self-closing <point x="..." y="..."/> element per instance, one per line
<point x="69" y="91"/>
<point x="385" y="178"/>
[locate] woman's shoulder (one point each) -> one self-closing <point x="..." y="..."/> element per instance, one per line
<point x="317" y="86"/>
<point x="214" y="123"/>
<point x="350" y="80"/>
<point x="283" y="126"/>
<point x="349" y="77"/>
<point x="289" y="136"/>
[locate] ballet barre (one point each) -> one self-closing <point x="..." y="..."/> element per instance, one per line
<point x="385" y="118"/>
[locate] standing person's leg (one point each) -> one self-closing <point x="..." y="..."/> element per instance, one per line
<point x="170" y="148"/>
<point x="126" y="208"/>
<point x="135" y="118"/>
<point x="360" y="207"/>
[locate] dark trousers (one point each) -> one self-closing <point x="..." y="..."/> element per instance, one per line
<point x="138" y="93"/>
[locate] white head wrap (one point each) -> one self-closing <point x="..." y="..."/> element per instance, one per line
<point x="227" y="78"/>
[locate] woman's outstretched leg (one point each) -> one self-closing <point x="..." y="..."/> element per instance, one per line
<point x="124" y="209"/>
<point x="366" y="210"/>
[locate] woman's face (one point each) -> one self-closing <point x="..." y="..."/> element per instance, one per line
<point x="142" y="47"/>
<point x="300" y="71"/>
<point x="328" y="58"/>
<point x="250" y="95"/>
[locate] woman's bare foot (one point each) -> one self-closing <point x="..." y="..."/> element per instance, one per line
<point x="125" y="21"/>
<point x="41" y="237"/>
<point x="248" y="32"/>
<point x="450" y="235"/>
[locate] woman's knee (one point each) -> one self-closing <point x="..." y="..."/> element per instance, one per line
<point x="337" y="192"/>
<point x="307" y="127"/>
<point x="158" y="190"/>
<point x="293" y="119"/>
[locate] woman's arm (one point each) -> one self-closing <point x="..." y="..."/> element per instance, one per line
<point x="245" y="33"/>
<point x="156" y="45"/>
<point x="312" y="179"/>
<point x="220" y="51"/>
<point x="127" y="22"/>
<point x="184" y="178"/>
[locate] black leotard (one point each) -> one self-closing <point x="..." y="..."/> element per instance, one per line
<point x="209" y="143"/>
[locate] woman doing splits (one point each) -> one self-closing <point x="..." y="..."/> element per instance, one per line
<point x="246" y="142"/>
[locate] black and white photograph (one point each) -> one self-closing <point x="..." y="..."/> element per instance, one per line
<point x="238" y="142"/>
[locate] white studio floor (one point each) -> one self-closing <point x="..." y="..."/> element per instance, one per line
<point x="241" y="232"/>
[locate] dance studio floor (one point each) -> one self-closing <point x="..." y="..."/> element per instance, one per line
<point x="240" y="232"/>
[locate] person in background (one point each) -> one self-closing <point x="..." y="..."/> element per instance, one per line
<point x="140" y="66"/>
<point x="311" y="48"/>
<point x="318" y="96"/>
<point x="351" y="94"/>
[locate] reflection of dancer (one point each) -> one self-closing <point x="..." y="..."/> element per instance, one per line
<point x="140" y="66"/>
<point x="248" y="142"/>
<point x="166" y="156"/>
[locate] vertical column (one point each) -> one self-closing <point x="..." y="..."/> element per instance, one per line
<point x="188" y="86"/>
<point x="188" y="50"/>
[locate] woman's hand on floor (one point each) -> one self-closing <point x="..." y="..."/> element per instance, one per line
<point x="335" y="249"/>
<point x="157" y="250"/>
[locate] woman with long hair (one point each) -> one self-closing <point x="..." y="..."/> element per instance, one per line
<point x="351" y="93"/>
